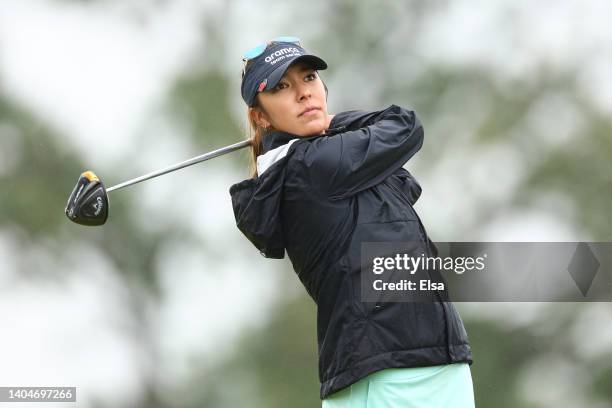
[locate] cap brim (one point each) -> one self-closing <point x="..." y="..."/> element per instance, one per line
<point x="276" y="75"/>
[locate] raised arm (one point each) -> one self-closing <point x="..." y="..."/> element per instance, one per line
<point x="349" y="162"/>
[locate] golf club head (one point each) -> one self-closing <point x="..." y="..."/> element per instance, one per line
<point x="88" y="202"/>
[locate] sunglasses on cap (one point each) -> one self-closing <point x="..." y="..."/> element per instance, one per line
<point x="257" y="50"/>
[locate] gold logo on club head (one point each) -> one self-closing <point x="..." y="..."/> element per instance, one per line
<point x="89" y="175"/>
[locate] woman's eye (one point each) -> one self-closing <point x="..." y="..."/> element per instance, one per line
<point x="280" y="85"/>
<point x="311" y="76"/>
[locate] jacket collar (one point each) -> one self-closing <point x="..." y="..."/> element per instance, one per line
<point x="275" y="139"/>
<point x="278" y="138"/>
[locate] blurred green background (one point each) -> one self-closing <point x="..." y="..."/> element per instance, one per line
<point x="168" y="305"/>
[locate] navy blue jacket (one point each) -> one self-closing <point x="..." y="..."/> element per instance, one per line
<point x="318" y="198"/>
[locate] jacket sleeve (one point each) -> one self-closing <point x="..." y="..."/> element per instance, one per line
<point x="347" y="163"/>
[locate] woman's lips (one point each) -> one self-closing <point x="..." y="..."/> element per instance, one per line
<point x="309" y="111"/>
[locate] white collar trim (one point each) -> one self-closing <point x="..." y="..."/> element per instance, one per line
<point x="266" y="160"/>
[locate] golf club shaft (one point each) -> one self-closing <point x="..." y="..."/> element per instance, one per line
<point x="180" y="165"/>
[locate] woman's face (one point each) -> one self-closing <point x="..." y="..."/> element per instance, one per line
<point x="296" y="105"/>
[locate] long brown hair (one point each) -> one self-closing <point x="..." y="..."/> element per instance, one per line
<point x="255" y="134"/>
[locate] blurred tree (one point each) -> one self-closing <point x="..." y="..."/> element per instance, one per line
<point x="36" y="176"/>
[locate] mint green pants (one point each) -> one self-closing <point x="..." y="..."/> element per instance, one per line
<point x="448" y="386"/>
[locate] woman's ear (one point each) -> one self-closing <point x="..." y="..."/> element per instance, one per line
<point x="259" y="117"/>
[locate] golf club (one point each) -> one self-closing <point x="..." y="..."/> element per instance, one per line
<point x="88" y="202"/>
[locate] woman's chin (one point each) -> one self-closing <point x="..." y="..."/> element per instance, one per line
<point x="313" y="128"/>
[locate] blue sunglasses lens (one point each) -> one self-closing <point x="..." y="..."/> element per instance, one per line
<point x="260" y="48"/>
<point x="254" y="52"/>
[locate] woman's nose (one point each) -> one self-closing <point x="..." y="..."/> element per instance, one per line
<point x="303" y="92"/>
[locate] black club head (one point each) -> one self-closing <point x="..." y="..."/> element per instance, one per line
<point x="88" y="202"/>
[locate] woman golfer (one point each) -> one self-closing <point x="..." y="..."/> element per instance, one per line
<point x="321" y="186"/>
